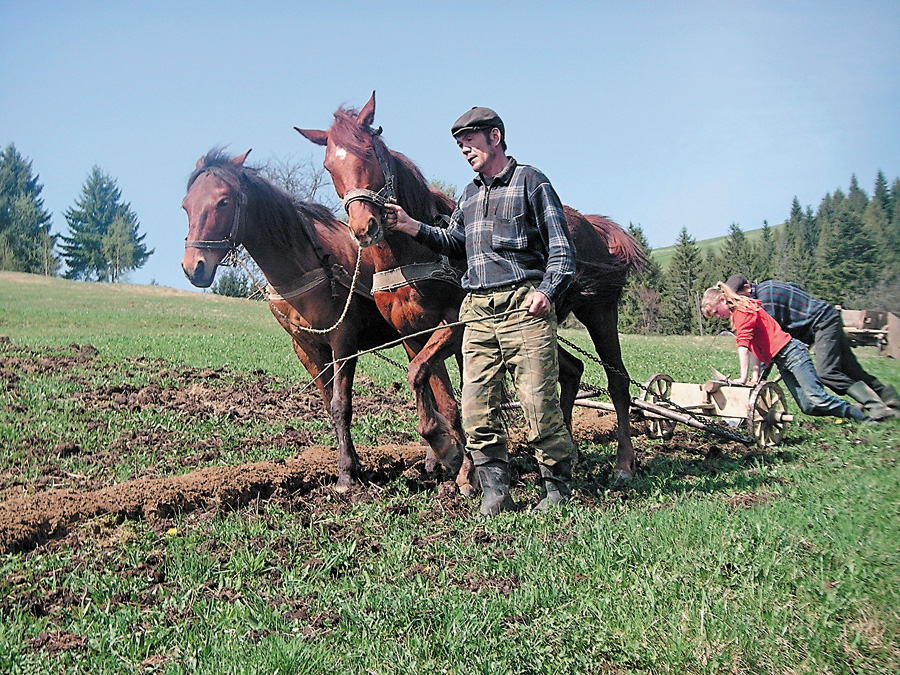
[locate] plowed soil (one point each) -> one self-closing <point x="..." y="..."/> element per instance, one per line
<point x="34" y="510"/>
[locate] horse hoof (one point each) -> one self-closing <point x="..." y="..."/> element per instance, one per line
<point x="467" y="490"/>
<point x="622" y="476"/>
<point x="342" y="486"/>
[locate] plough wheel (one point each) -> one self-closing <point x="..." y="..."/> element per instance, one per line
<point x="764" y="414"/>
<point x="657" y="390"/>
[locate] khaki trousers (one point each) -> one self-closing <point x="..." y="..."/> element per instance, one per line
<point x="524" y="346"/>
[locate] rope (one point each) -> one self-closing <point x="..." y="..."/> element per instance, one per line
<point x="394" y="343"/>
<point x="309" y="329"/>
<point x="708" y="424"/>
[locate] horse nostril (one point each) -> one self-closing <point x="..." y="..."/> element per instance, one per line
<point x="373" y="227"/>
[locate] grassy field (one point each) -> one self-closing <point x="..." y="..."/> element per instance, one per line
<point x="717" y="558"/>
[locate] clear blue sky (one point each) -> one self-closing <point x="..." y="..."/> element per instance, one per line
<point x="662" y="114"/>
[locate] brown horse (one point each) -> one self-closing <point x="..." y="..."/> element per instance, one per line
<point x="366" y="174"/>
<point x="309" y="259"/>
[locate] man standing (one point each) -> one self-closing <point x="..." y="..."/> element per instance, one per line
<point x="815" y="322"/>
<point x="510" y="227"/>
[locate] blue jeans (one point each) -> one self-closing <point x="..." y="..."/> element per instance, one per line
<point x="799" y="375"/>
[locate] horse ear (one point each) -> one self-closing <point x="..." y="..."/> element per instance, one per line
<point x="367" y="115"/>
<point x="239" y="161"/>
<point x="314" y="135"/>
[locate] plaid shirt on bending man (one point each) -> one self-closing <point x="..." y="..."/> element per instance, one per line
<point x="795" y="310"/>
<point x="507" y="229"/>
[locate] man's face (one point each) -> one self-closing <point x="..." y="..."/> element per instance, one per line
<point x="477" y="148"/>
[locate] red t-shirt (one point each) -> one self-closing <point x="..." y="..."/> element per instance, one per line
<point x="759" y="332"/>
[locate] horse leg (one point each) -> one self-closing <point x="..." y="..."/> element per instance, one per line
<point x="570" y="371"/>
<point x="337" y="394"/>
<point x="431" y="459"/>
<point x="434" y="427"/>
<point x="465" y="479"/>
<point x="602" y="325"/>
<point x="448" y="406"/>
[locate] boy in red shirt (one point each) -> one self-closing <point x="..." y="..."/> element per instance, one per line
<point x="761" y="340"/>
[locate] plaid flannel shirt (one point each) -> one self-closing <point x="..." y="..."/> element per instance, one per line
<point x="795" y="310"/>
<point x="509" y="230"/>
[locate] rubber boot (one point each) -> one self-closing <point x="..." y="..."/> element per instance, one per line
<point x="494" y="480"/>
<point x="890" y="397"/>
<point x="556" y="480"/>
<point x="873" y="406"/>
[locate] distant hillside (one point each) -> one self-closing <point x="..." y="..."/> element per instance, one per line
<point x="663" y="255"/>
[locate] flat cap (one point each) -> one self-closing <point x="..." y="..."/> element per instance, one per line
<point x="478" y="118"/>
<point x="736" y="282"/>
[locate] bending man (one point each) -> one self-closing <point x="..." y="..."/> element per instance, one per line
<point x="817" y="323"/>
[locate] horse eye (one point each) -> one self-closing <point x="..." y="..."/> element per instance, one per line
<point x="223" y="202"/>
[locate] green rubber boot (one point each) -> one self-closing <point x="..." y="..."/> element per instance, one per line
<point x="494" y="480"/>
<point x="890" y="397"/>
<point x="872" y="405"/>
<point x="557" y="481"/>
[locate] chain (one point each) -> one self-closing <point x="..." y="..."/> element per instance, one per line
<point x="708" y="424"/>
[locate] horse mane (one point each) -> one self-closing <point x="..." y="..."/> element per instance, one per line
<point x="418" y="199"/>
<point x="280" y="217"/>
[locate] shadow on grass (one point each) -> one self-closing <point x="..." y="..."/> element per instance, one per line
<point x="687" y="463"/>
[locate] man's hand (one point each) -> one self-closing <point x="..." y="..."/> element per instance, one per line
<point x="396" y="219"/>
<point x="537" y="304"/>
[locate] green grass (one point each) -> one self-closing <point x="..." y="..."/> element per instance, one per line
<point x="714" y="559"/>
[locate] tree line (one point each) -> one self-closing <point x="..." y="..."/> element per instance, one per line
<point x="847" y="253"/>
<point x="103" y="242"/>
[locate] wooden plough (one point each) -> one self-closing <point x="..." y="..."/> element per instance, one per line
<point x="760" y="409"/>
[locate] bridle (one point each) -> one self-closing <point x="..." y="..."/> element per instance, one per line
<point x="235" y="235"/>
<point x="235" y="239"/>
<point x="387" y="194"/>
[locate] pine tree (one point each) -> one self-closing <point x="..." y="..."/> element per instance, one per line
<point x="876" y="224"/>
<point x="640" y="307"/>
<point x="793" y="252"/>
<point x="679" y="308"/>
<point x="735" y="254"/>
<point x="846" y="257"/>
<point x="763" y="255"/>
<point x="857" y="199"/>
<point x="120" y="247"/>
<point x="892" y="234"/>
<point x="882" y="195"/>
<point x="104" y="241"/>
<point x="232" y="283"/>
<point x="712" y="269"/>
<point x="26" y="244"/>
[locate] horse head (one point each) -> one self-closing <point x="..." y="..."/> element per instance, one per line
<point x="214" y="204"/>
<point x="361" y="169"/>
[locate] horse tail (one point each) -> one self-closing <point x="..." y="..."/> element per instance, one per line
<point x="619" y="242"/>
<point x="605" y="255"/>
